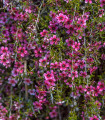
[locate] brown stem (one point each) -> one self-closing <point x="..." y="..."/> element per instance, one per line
<point x="26" y="87"/>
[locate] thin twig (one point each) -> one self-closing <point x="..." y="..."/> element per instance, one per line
<point x="10" y="102"/>
<point x="26" y="87"/>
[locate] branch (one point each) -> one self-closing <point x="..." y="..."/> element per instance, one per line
<point x="26" y="87"/>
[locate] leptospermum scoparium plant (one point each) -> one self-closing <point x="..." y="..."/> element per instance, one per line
<point x="52" y="60"/>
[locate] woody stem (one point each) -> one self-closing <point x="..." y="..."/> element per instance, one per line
<point x="26" y="87"/>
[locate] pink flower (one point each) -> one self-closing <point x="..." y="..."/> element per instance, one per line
<point x="85" y="16"/>
<point x="100" y="27"/>
<point x="82" y="22"/>
<point x="69" y="83"/>
<point x="63" y="65"/>
<point x="12" y="81"/>
<point x="38" y="52"/>
<point x="13" y="117"/>
<point x="83" y="74"/>
<point x="3" y="17"/>
<point x="14" y="72"/>
<point x="22" y="51"/>
<point x="101" y="86"/>
<point x="53" y="114"/>
<point x="95" y="91"/>
<point x="75" y="94"/>
<point x="5" y="59"/>
<point x="83" y="116"/>
<point x="43" y="62"/>
<point x="28" y="10"/>
<point x="43" y="33"/>
<point x="74" y="74"/>
<point x="54" y="40"/>
<point x="54" y="65"/>
<point x="90" y="1"/>
<point x="69" y="42"/>
<point x="48" y="75"/>
<point x="76" y="46"/>
<point x="19" y="33"/>
<point x="31" y="91"/>
<point x="67" y="23"/>
<point x="67" y="1"/>
<point x="103" y="56"/>
<point x="4" y="50"/>
<point x="5" y="33"/>
<point x="75" y="66"/>
<point x="61" y="17"/>
<point x="37" y="105"/>
<point x="13" y="29"/>
<point x="92" y="69"/>
<point x="27" y="81"/>
<point x="102" y="3"/>
<point x="70" y="30"/>
<point x="52" y="15"/>
<point x="87" y="97"/>
<point x="90" y="60"/>
<point x="45" y="44"/>
<point x="101" y="12"/>
<point x="18" y="65"/>
<point x="104" y="44"/>
<point x="69" y="62"/>
<point x="88" y="89"/>
<point x="98" y="104"/>
<point x="50" y="83"/>
<point x="53" y="28"/>
<point x="81" y="63"/>
<point x="78" y="28"/>
<point x="94" y="118"/>
<point x="63" y="74"/>
<point x="80" y="89"/>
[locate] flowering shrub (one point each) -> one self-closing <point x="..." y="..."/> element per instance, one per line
<point x="52" y="58"/>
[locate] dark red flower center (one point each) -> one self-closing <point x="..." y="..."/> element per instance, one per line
<point x="63" y="65"/>
<point x="103" y="2"/>
<point x="12" y="81"/>
<point x="94" y="119"/>
<point x="53" y="28"/>
<point x="50" y="80"/>
<point x="4" y="60"/>
<point x="54" y="39"/>
<point x="100" y="12"/>
<point x="48" y="75"/>
<point x="61" y="18"/>
<point x="101" y="86"/>
<point x="44" y="62"/>
<point x="71" y="28"/>
<point x="68" y="22"/>
<point x="88" y="89"/>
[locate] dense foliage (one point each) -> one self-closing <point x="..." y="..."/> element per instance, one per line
<point x="52" y="60"/>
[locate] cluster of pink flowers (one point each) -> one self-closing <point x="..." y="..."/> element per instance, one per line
<point x="94" y="118"/>
<point x="52" y="64"/>
<point x="3" y="112"/>
<point x="49" y="79"/>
